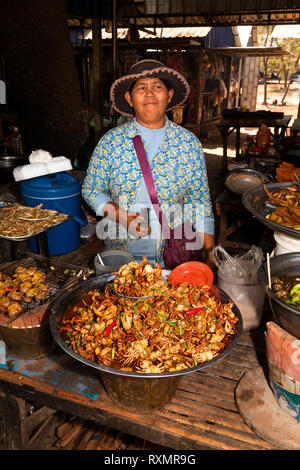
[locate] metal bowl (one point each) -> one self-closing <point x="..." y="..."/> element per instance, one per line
<point x="241" y="179"/>
<point x="258" y="203"/>
<point x="113" y="260"/>
<point x="284" y="314"/>
<point x="141" y="392"/>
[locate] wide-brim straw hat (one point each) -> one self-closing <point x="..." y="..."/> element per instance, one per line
<point x="145" y="69"/>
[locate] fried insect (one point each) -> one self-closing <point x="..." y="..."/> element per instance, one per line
<point x="180" y="328"/>
<point x="139" y="279"/>
<point x="24" y="286"/>
<point x="289" y="196"/>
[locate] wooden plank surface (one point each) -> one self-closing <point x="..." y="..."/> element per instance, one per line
<point x="201" y="415"/>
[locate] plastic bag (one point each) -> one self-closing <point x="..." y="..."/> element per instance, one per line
<point x="243" y="267"/>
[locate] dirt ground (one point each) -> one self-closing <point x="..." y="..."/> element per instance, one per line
<point x="213" y="145"/>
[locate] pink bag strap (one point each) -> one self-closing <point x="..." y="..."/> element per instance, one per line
<point x="145" y="167"/>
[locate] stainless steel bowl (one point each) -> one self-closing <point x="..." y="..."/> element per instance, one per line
<point x="242" y="179"/>
<point x="141" y="392"/>
<point x="284" y="314"/>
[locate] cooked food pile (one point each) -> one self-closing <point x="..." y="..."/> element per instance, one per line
<point x="287" y="288"/>
<point x="288" y="196"/>
<point x="24" y="286"/>
<point x="19" y="221"/>
<point x="139" y="279"/>
<point x="180" y="328"/>
<point x="288" y="212"/>
<point x="287" y="172"/>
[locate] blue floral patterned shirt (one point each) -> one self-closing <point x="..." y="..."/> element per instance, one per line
<point x="179" y="174"/>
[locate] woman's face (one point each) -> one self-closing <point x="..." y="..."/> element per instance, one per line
<point x="149" y="98"/>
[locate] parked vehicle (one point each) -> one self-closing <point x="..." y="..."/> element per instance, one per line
<point x="296" y="77"/>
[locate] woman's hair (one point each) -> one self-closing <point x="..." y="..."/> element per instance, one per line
<point x="166" y="83"/>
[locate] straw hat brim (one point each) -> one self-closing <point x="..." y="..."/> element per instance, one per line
<point x="121" y="85"/>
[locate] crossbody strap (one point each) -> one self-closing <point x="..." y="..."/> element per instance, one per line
<point x="145" y="167"/>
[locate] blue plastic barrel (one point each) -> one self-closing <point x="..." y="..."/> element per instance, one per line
<point x="60" y="192"/>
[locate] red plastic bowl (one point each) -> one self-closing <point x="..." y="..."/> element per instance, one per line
<point x="193" y="272"/>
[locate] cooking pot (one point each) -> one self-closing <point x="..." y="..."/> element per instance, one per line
<point x="242" y="179"/>
<point x="285" y="315"/>
<point x="135" y="391"/>
<point x="10" y="161"/>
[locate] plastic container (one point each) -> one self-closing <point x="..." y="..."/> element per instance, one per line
<point x="285" y="244"/>
<point x="113" y="260"/>
<point x="286" y="391"/>
<point x="249" y="298"/>
<point x="33" y="170"/>
<point x="60" y="192"/>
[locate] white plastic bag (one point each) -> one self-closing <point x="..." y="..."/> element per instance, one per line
<point x="243" y="267"/>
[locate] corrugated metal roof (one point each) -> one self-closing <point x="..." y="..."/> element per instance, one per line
<point x="182" y="32"/>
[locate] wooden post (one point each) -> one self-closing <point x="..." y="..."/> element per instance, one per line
<point x="97" y="77"/>
<point x="114" y="44"/>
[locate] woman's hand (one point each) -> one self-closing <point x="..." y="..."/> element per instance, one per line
<point x="134" y="226"/>
<point x="130" y="220"/>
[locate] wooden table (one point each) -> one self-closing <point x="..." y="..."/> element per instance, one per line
<point x="230" y="124"/>
<point x="202" y="414"/>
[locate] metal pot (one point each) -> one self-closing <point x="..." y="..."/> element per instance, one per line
<point x="284" y="314"/>
<point x="140" y="392"/>
<point x="9" y="161"/>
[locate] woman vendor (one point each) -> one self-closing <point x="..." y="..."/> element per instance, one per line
<point x="114" y="185"/>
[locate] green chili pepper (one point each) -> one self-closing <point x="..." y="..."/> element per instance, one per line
<point x="113" y="353"/>
<point x="135" y="310"/>
<point x="78" y="341"/>
<point x="160" y="315"/>
<point x="295" y="289"/>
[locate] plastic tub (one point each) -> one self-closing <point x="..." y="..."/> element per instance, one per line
<point x="286" y="391"/>
<point x="113" y="260"/>
<point x="285" y="244"/>
<point x="249" y="298"/>
<point x="60" y="192"/>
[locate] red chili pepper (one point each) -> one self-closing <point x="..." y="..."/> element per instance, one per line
<point x="194" y="310"/>
<point x="109" y="327"/>
<point x="191" y="300"/>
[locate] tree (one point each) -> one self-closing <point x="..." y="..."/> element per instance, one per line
<point x="42" y="79"/>
<point x="284" y="66"/>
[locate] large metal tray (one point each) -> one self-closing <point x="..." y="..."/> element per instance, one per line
<point x="36" y="233"/>
<point x="258" y="203"/>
